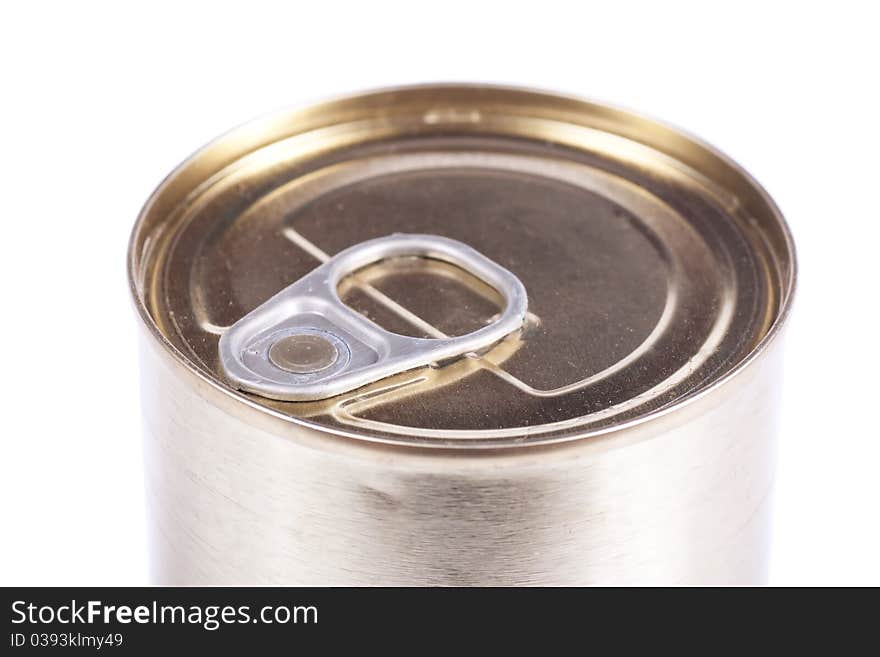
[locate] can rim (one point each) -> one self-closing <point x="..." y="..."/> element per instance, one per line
<point x="786" y="299"/>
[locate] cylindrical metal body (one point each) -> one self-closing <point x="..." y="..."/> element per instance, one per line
<point x="668" y="484"/>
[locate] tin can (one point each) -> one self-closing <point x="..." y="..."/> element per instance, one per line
<point x="460" y="335"/>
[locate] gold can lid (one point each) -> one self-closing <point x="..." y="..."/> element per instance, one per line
<point x="654" y="267"/>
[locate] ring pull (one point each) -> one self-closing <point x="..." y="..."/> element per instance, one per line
<point x="305" y="344"/>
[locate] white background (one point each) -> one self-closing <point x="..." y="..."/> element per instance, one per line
<point x="101" y="101"/>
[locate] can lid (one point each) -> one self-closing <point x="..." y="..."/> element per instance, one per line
<point x="653" y="266"/>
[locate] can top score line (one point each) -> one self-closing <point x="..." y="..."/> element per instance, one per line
<point x="653" y="269"/>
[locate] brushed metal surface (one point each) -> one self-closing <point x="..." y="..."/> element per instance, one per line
<point x="684" y="499"/>
<point x="626" y="435"/>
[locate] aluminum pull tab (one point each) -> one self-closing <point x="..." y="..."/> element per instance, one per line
<point x="305" y="344"/>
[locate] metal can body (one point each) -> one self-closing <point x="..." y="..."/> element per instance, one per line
<point x="683" y="500"/>
<point x="244" y="490"/>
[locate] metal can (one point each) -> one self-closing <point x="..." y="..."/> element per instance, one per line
<point x="460" y="335"/>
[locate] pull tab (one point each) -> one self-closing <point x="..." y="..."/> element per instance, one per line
<point x="305" y="344"/>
